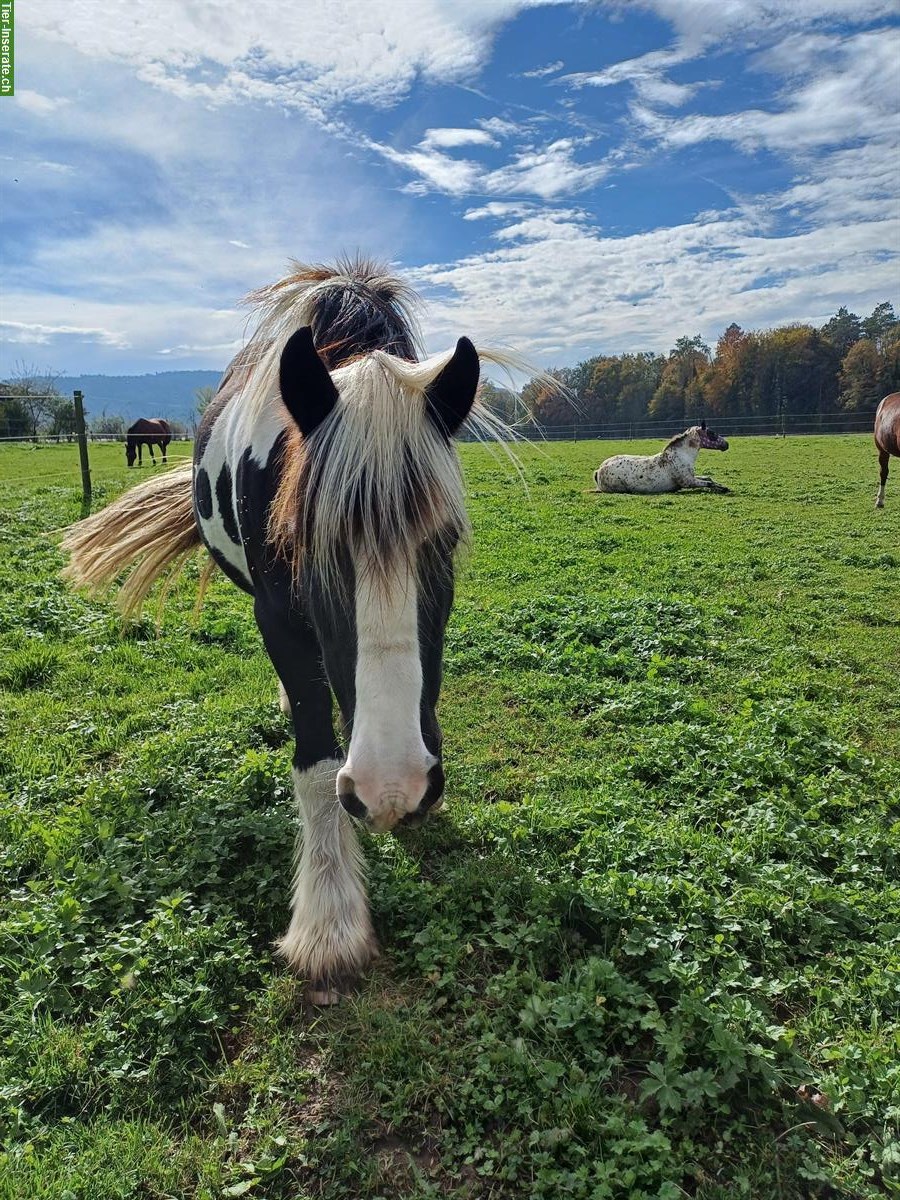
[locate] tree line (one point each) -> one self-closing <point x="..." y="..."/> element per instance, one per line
<point x="845" y="366"/>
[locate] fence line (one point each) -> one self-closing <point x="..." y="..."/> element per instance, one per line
<point x="783" y="425"/>
<point x="776" y="425"/>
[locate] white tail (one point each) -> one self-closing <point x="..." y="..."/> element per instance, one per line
<point x="151" y="528"/>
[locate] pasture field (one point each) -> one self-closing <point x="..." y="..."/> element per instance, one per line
<point x="649" y="949"/>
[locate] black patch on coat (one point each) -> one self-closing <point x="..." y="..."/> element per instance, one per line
<point x="225" y="501"/>
<point x="203" y="494"/>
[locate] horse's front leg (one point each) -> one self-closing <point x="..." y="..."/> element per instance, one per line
<point x="883" y="461"/>
<point x="330" y="939"/>
<point x="152" y="456"/>
<point x="706" y="484"/>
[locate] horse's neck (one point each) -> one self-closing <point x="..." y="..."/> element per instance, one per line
<point x="684" y="455"/>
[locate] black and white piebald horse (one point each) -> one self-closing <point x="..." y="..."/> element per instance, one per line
<point x="326" y="486"/>
<point x="147" y="432"/>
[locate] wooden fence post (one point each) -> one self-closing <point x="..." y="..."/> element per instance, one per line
<point x="82" y="447"/>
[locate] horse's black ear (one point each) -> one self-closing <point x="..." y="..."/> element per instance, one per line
<point x="702" y="424"/>
<point x="451" y="395"/>
<point x="307" y="389"/>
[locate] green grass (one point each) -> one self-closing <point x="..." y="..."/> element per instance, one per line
<point x="651" y="948"/>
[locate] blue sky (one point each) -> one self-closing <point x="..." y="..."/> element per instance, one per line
<point x="565" y="179"/>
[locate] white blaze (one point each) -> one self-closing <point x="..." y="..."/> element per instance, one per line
<point x="387" y="763"/>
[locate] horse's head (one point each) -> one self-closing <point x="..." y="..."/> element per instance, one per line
<point x="130" y="451"/>
<point x="701" y="438"/>
<point x="377" y="512"/>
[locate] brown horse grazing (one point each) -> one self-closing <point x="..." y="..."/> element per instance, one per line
<point x="147" y="433"/>
<point x="887" y="438"/>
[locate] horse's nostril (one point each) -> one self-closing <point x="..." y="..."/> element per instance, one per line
<point x="435" y="788"/>
<point x="353" y="805"/>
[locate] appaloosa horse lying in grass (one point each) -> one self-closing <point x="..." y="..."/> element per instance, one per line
<point x="669" y="471"/>
<point x="326" y="485"/>
<point x="887" y="438"/>
<point x="149" y="433"/>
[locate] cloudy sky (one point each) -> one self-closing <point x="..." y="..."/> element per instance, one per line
<point x="563" y="178"/>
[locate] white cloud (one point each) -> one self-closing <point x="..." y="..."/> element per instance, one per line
<point x="498" y="126"/>
<point x="36" y="103"/>
<point x="559" y="286"/>
<point x="312" y="55"/>
<point x="37" y="333"/>
<point x="540" y="72"/>
<point x="496" y="208"/>
<point x="449" y="139"/>
<point x="120" y="332"/>
<point x="702" y="22"/>
<point x="647" y="66"/>
<point x="832" y="108"/>
<point x="548" y="171"/>
<point x="456" y="176"/>
<point x="656" y="90"/>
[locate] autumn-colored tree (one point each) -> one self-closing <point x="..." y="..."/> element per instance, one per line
<point x="870" y="370"/>
<point x="622" y="387"/>
<point x="727" y="377"/>
<point x="679" y="392"/>
<point x="550" y="405"/>
<point x="796" y="370"/>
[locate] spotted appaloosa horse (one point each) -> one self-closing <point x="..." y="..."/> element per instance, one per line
<point x="887" y="438"/>
<point x="669" y="471"/>
<point x="326" y="486"/>
<point x="149" y="433"/>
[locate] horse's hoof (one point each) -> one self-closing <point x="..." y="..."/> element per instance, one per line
<point x="329" y="990"/>
<point x="323" y="997"/>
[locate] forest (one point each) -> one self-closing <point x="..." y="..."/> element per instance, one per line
<point x="847" y="365"/>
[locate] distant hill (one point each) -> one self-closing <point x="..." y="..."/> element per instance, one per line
<point x="169" y="394"/>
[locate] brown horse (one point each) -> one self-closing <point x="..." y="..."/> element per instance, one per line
<point x="147" y="433"/>
<point x="887" y="438"/>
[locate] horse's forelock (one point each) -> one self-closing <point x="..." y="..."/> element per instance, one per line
<point x="376" y="478"/>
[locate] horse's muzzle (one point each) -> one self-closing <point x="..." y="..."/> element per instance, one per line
<point x="395" y="814"/>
